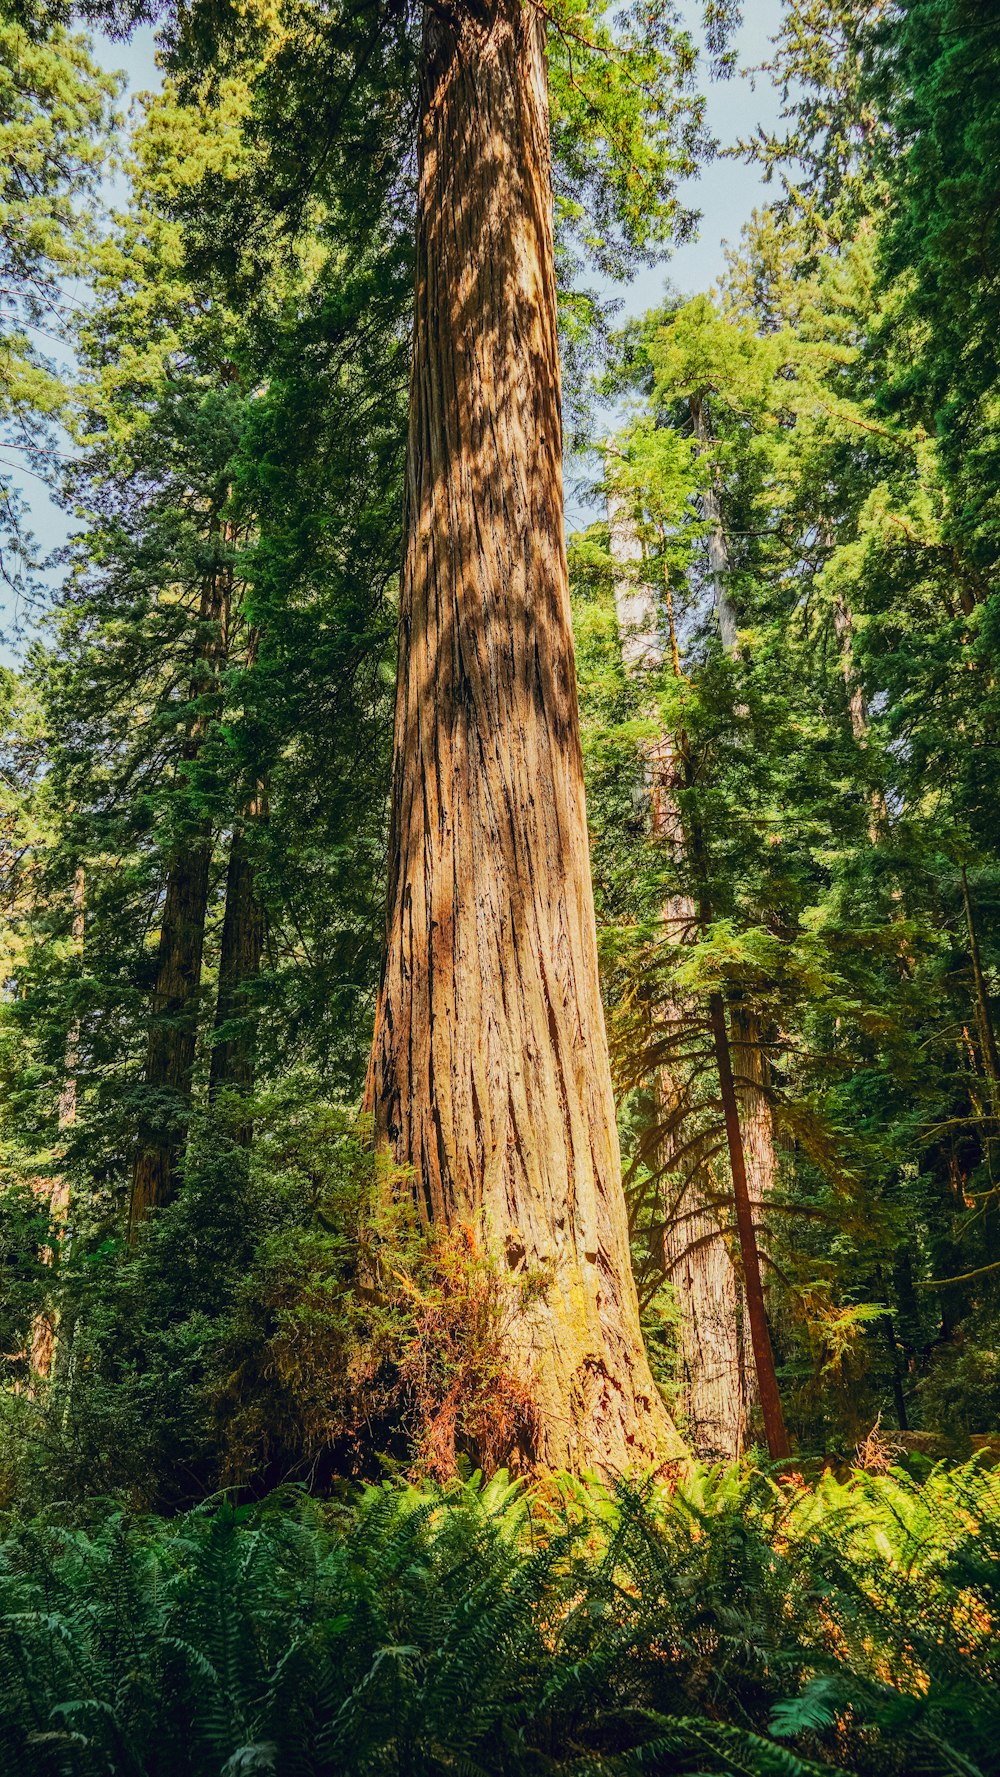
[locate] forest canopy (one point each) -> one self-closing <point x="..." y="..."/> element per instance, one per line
<point x="499" y="1074"/>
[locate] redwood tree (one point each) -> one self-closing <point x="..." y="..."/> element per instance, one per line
<point x="489" y="1071"/>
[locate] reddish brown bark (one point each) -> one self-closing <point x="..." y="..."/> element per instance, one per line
<point x="767" y="1382"/>
<point x="489" y="1071"/>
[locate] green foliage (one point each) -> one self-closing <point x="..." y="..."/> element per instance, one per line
<point x="934" y="76"/>
<point x="55" y="116"/>
<point x="829" y="864"/>
<point x="716" y="1625"/>
<point x="256" y="1331"/>
<point x="831" y="779"/>
<point x="285" y="1317"/>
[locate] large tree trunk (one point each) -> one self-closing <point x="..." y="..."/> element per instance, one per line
<point x="714" y="1352"/>
<point x="489" y="1071"/>
<point x="173" y="1021"/>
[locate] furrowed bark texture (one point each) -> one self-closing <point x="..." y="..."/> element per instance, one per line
<point x="714" y="1344"/>
<point x="489" y="1071"/>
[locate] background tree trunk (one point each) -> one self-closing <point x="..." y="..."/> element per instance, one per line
<point x="173" y="1029"/>
<point x="980" y="993"/>
<point x="243" y="931"/>
<point x="843" y="629"/>
<point x="713" y="1350"/>
<point x="489" y="1070"/>
<point x="43" y="1332"/>
<point x="760" y="1336"/>
<point x="173" y="1022"/>
<point x="748" y="1057"/>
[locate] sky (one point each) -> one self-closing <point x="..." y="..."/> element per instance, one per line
<point x="725" y="192"/>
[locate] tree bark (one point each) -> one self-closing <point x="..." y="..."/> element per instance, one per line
<point x="173" y="1029"/>
<point x="756" y="1124"/>
<point x="767" y="1382"/>
<point x="243" y="932"/>
<point x="489" y="1072"/>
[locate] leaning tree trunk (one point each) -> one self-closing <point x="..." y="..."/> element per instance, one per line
<point x="489" y="1071"/>
<point x="713" y="1351"/>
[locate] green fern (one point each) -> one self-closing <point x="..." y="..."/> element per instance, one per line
<point x="725" y="1627"/>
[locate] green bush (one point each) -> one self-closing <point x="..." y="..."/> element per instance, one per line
<point x="284" y="1318"/>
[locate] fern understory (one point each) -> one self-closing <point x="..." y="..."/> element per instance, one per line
<point x="722" y="1624"/>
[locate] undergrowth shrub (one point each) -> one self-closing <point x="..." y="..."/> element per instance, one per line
<point x="285" y="1317"/>
<point x="464" y="1395"/>
<point x="724" y="1625"/>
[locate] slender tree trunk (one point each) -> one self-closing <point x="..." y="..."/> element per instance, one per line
<point x="489" y="1070"/>
<point x="695" y="1255"/>
<point x="173" y="1023"/>
<point x="980" y="993"/>
<point x="843" y="629"/>
<point x="715" y="1345"/>
<point x="750" y="1068"/>
<point x="757" y="1157"/>
<point x="43" y="1334"/>
<point x="718" y="549"/>
<point x="173" y="1029"/>
<point x="243" y="932"/>
<point x="767" y="1382"/>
